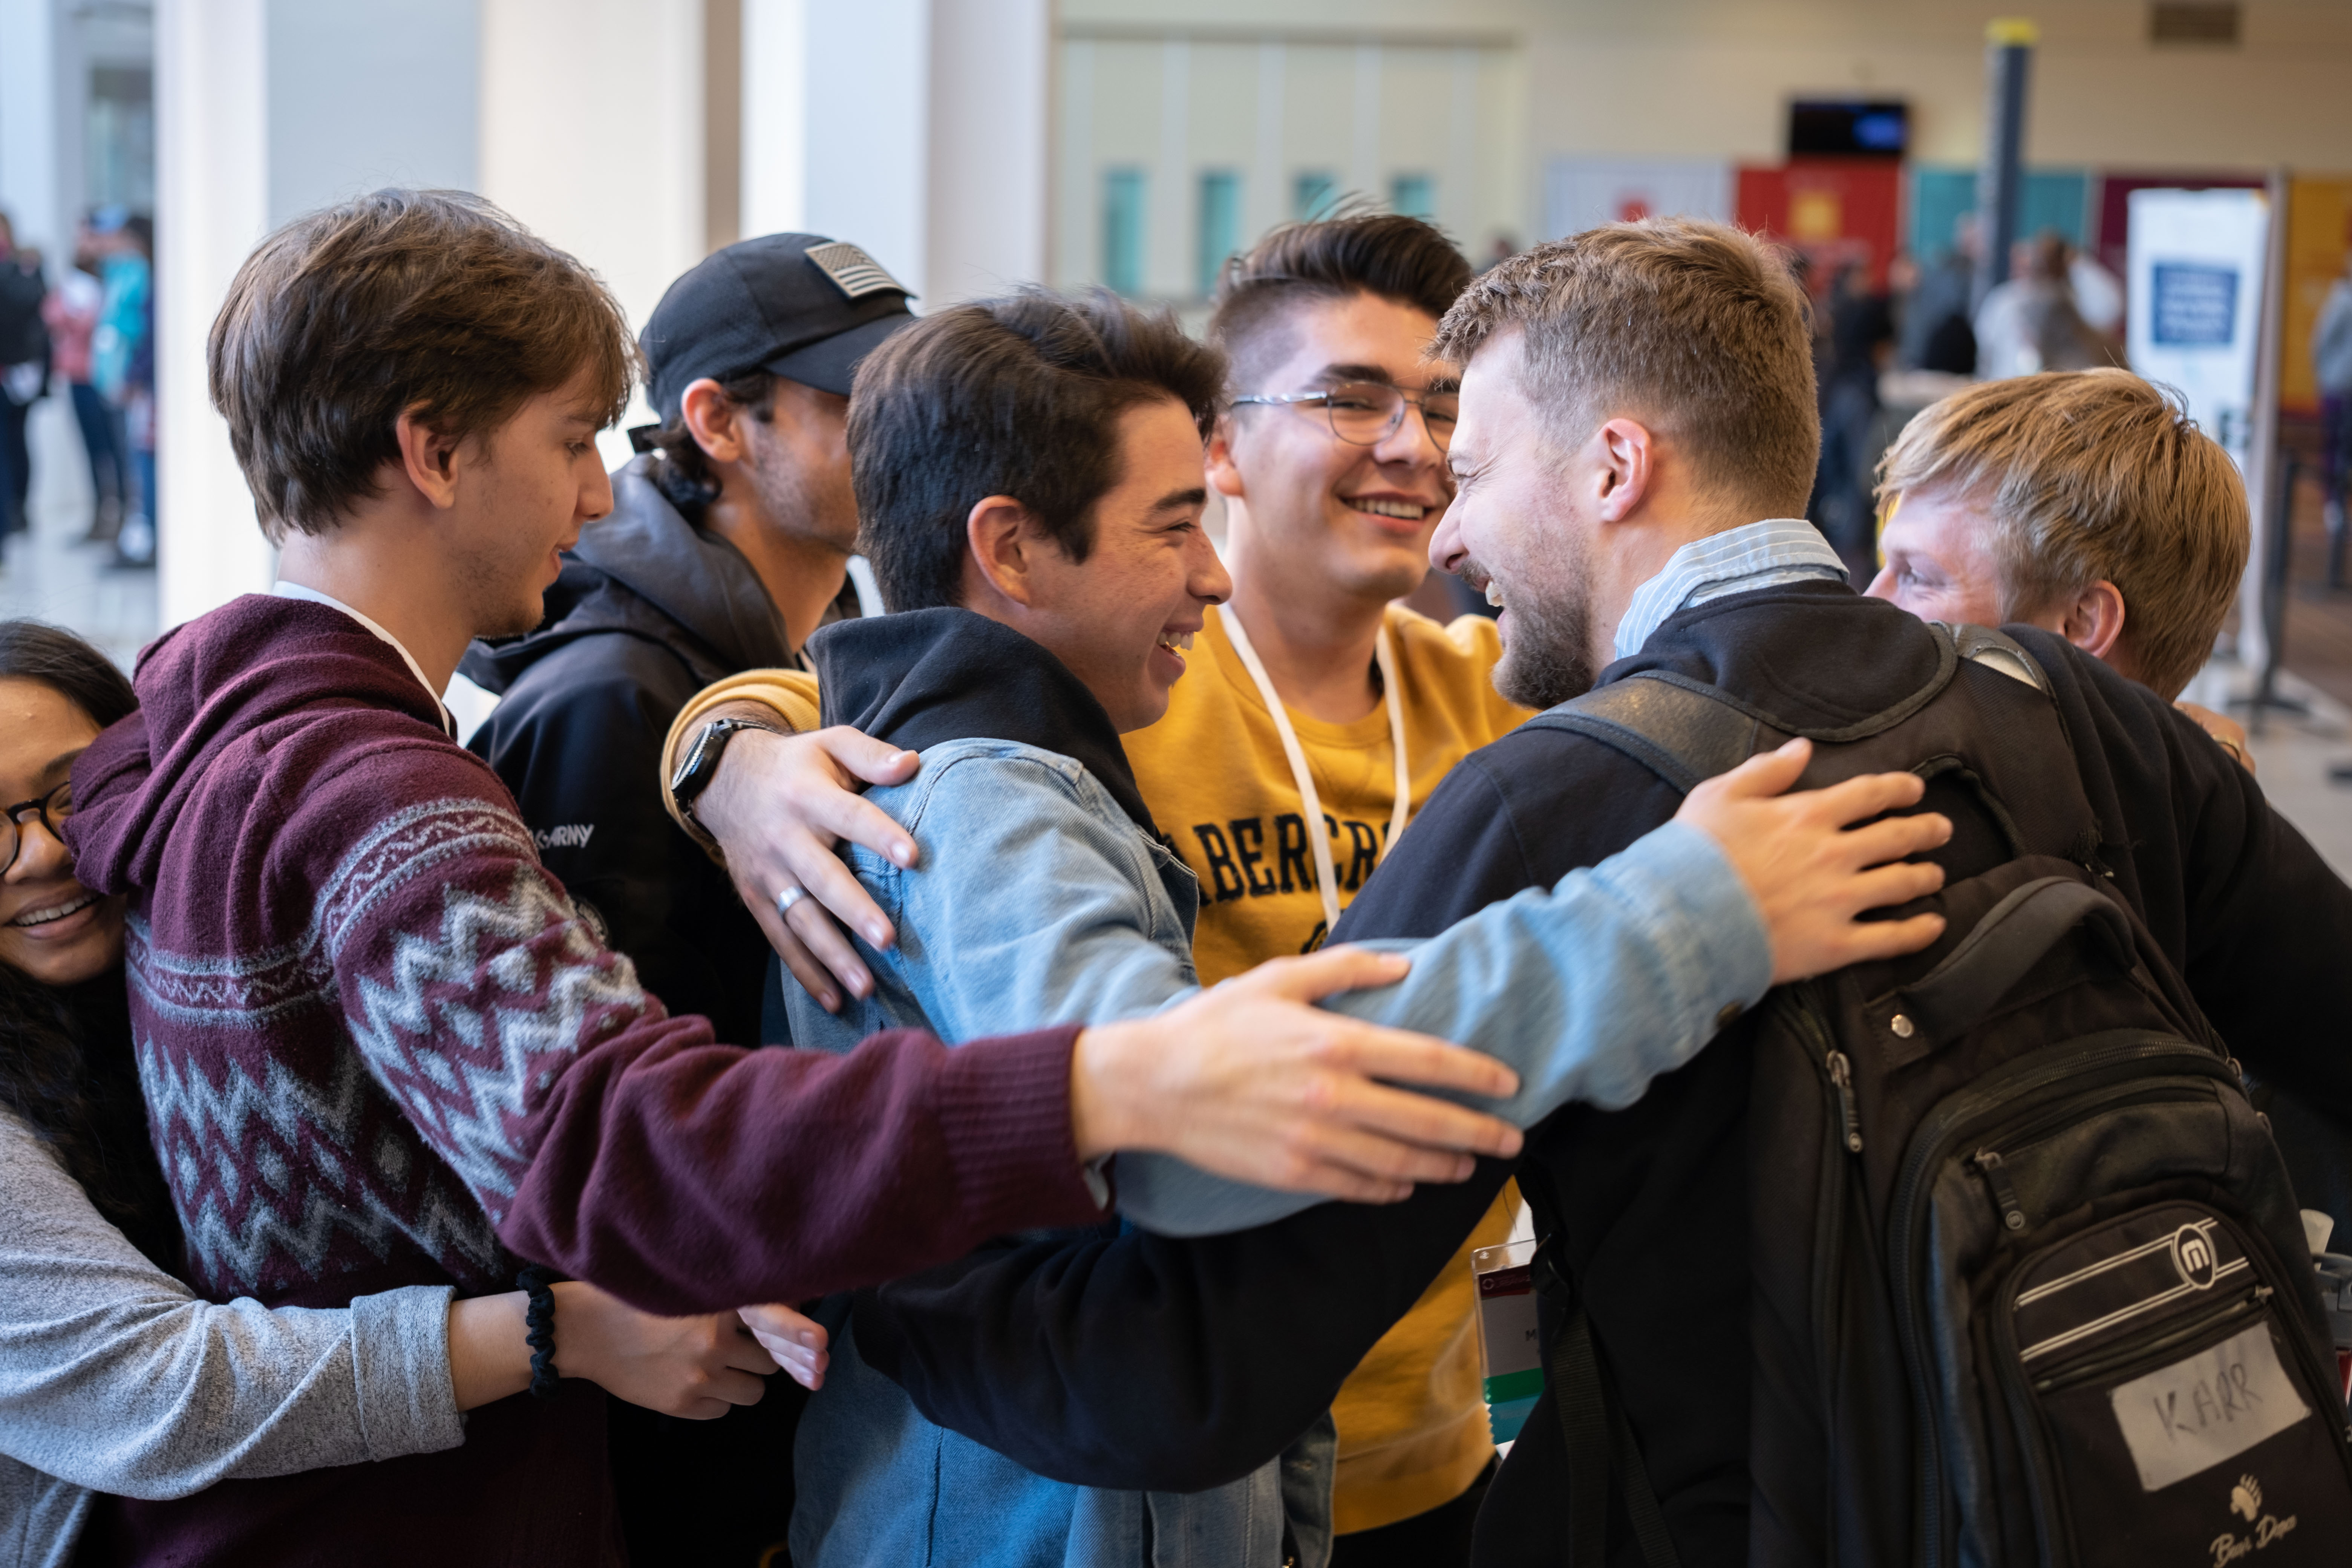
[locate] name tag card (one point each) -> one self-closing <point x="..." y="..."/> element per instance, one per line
<point x="2190" y="1415"/>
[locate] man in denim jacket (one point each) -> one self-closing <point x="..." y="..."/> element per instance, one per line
<point x="1029" y="476"/>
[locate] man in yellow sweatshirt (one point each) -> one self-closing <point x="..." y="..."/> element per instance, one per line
<point x="1320" y="704"/>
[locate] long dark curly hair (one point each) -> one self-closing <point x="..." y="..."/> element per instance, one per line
<point x="67" y="1068"/>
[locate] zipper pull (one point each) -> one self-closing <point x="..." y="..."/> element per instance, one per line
<point x="1842" y="1079"/>
<point x="2004" y="1191"/>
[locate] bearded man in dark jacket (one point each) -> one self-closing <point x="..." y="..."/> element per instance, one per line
<point x="1636" y="407"/>
<point x="728" y="544"/>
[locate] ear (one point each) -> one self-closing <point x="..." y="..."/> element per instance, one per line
<point x="2095" y="621"/>
<point x="711" y="418"/>
<point x="1225" y="476"/>
<point x="1627" y="455"/>
<point x="428" y="458"/>
<point x="1004" y="539"/>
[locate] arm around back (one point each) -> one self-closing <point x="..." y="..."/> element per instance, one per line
<point x="1588" y="990"/>
<point x="1142" y="1363"/>
<point x="121" y="1379"/>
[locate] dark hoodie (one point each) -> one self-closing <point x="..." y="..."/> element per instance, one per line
<point x="649" y="610"/>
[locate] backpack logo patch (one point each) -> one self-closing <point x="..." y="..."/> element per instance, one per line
<point x="2246" y="1501"/>
<point x="2192" y="1254"/>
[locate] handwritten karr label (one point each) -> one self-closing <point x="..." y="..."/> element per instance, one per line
<point x="2215" y="1406"/>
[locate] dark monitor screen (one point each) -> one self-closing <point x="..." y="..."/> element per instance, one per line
<point x="1849" y="127"/>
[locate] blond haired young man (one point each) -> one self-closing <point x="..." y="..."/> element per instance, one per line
<point x="2083" y="502"/>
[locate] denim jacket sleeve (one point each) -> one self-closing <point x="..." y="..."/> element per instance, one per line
<point x="1590" y="989"/>
<point x="1034" y="903"/>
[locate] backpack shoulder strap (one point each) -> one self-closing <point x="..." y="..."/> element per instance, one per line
<point x="1681" y="730"/>
<point x="1686" y="732"/>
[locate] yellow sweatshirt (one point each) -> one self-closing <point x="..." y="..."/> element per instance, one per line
<point x="1413" y="1428"/>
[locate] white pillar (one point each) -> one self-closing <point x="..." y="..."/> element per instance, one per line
<point x="774" y="67"/>
<point x="211" y="199"/>
<point x="592" y="134"/>
<point x="991" y="101"/>
<point x="917" y="129"/>
<point x="32" y="189"/>
<point x="266" y="110"/>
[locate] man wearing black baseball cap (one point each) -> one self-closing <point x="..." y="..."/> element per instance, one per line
<point x="728" y="544"/>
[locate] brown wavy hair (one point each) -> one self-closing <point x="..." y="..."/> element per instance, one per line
<point x="432" y="301"/>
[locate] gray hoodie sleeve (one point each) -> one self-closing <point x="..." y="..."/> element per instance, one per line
<point x="117" y="1378"/>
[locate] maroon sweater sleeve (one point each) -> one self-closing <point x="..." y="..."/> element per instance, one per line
<point x="686" y="1176"/>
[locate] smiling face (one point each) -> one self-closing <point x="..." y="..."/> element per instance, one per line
<point x="1315" y="508"/>
<point x="51" y="927"/>
<point x="1940" y="561"/>
<point x="1516" y="531"/>
<point x="526" y="490"/>
<point x="1121" y="618"/>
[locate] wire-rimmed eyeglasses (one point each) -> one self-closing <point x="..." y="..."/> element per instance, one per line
<point x="52" y="809"/>
<point x="1367" y="413"/>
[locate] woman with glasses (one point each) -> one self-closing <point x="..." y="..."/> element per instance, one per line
<point x="117" y="1377"/>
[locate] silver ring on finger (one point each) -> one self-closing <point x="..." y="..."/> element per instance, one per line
<point x="787" y="898"/>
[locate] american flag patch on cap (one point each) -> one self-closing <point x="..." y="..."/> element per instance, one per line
<point x="853" y="271"/>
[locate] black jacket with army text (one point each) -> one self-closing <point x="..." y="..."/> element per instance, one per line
<point x="649" y="610"/>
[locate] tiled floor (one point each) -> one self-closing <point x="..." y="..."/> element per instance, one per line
<point x="48" y="573"/>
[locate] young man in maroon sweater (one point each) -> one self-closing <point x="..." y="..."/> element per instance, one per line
<point x="381" y="1044"/>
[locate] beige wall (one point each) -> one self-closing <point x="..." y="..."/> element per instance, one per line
<point x="1711" y="79"/>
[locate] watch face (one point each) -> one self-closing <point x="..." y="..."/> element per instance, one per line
<point x="693" y="761"/>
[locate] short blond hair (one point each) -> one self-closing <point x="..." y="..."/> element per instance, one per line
<point x="1695" y="328"/>
<point x="2086" y="475"/>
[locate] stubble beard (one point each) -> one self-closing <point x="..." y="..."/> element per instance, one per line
<point x="1545" y="657"/>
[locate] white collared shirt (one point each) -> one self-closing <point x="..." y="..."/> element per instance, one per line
<point x="1737" y="561"/>
<point x="282" y="589"/>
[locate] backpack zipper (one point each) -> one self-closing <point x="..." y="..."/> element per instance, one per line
<point x="2118" y="1359"/>
<point x="2004" y="1191"/>
<point x="1842" y="1079"/>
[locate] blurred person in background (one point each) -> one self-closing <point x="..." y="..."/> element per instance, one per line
<point x="122" y="366"/>
<point x="2034" y="322"/>
<point x="24" y="372"/>
<point x="2331" y="357"/>
<point x="1859" y="342"/>
<point x="1936" y="333"/>
<point x="71" y="312"/>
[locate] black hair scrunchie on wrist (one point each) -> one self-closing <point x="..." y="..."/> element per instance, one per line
<point x="539" y="1316"/>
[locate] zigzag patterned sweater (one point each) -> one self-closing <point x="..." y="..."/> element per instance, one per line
<point x="381" y="1046"/>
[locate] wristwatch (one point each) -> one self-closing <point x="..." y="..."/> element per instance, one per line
<point x="700" y="763"/>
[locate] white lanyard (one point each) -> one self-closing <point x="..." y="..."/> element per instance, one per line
<point x="1327" y="880"/>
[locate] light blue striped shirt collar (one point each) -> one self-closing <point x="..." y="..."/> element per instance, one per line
<point x="1756" y="555"/>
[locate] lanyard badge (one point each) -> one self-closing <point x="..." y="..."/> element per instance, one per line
<point x="1327" y="880"/>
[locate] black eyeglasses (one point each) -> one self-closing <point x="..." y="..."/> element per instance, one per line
<point x="1367" y="413"/>
<point x="53" y="808"/>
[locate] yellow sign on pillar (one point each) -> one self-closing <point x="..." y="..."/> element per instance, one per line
<point x="2318" y="239"/>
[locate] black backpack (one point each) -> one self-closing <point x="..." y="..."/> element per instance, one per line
<point x="2028" y="1283"/>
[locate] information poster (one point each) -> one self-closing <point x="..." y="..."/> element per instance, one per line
<point x="2196" y="282"/>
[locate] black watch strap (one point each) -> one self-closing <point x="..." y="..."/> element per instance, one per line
<point x="700" y="765"/>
